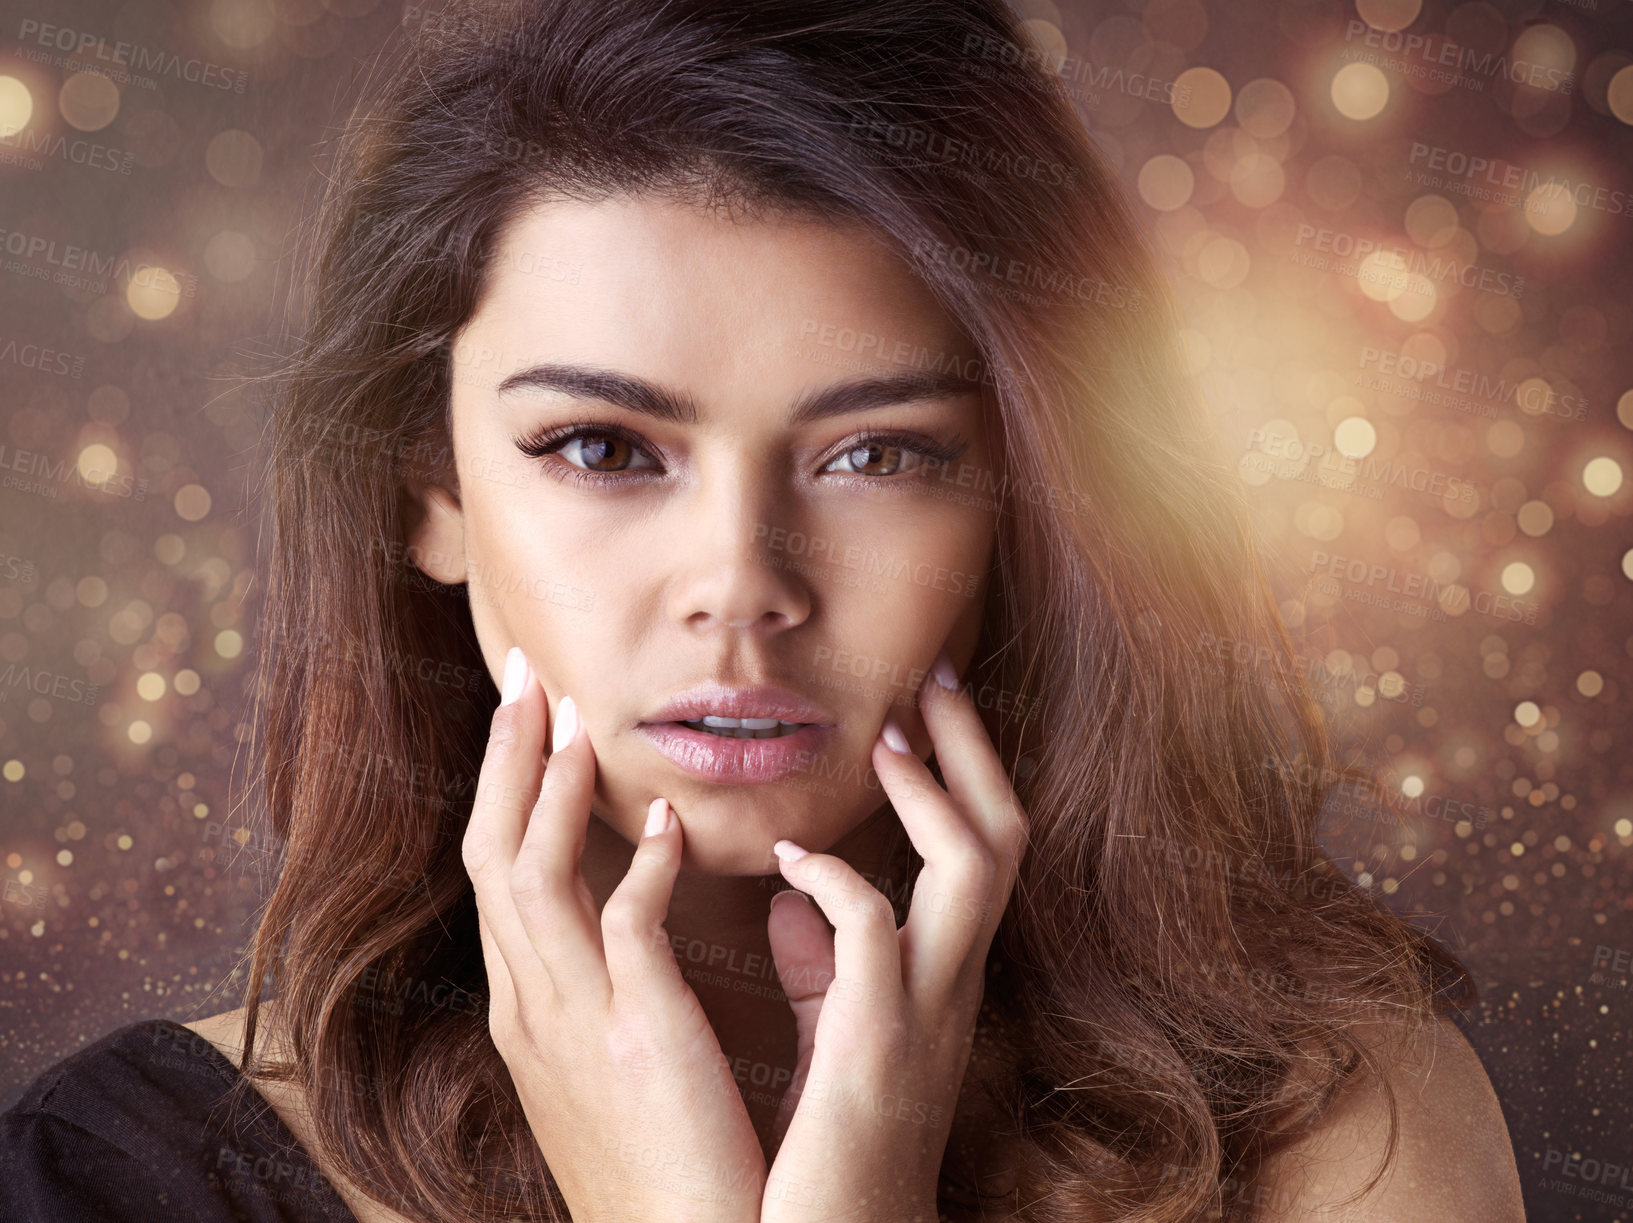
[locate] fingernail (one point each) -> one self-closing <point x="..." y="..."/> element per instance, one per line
<point x="515" y="675"/>
<point x="657" y="817"/>
<point x="788" y="851"/>
<point x="893" y="737"/>
<point x="942" y="669"/>
<point x="781" y="895"/>
<point x="566" y="724"/>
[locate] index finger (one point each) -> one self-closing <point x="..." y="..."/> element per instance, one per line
<point x="557" y="909"/>
<point x="974" y="776"/>
<point x="511" y="771"/>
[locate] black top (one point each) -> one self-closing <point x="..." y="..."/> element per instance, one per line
<point x="144" y="1126"/>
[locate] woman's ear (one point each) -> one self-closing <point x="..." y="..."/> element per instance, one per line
<point x="435" y="527"/>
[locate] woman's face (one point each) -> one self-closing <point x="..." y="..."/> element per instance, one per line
<point x="722" y="525"/>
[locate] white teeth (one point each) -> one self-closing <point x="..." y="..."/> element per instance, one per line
<point x="743" y="728"/>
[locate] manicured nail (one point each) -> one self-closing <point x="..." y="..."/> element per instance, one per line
<point x="788" y="851"/>
<point x="567" y="721"/>
<point x="942" y="669"/>
<point x="657" y="817"/>
<point x="515" y="675"/>
<point x="893" y="737"/>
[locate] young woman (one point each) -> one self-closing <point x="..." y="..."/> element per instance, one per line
<point x="775" y="406"/>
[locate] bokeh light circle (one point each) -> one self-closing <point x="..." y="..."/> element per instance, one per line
<point x="1201" y="97"/>
<point x="1360" y="91"/>
<point x="1602" y="476"/>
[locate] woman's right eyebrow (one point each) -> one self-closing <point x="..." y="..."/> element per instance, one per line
<point x="662" y="403"/>
<point x="609" y="386"/>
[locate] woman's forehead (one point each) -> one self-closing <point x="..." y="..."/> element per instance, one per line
<point x="650" y="248"/>
<point x="682" y="295"/>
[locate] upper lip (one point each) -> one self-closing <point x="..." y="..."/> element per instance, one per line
<point x="735" y="701"/>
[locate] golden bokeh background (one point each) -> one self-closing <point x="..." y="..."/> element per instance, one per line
<point x="1402" y="237"/>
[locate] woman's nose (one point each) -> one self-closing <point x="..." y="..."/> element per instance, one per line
<point x="728" y="572"/>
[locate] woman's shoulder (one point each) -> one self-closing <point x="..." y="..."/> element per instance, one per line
<point x="118" y="1083"/>
<point x="226" y="1033"/>
<point x="1453" y="1158"/>
<point x="152" y="1121"/>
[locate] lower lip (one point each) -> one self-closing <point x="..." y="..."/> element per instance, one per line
<point x="736" y="761"/>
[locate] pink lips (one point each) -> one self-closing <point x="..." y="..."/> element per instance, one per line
<point x="733" y="701"/>
<point x="739" y="761"/>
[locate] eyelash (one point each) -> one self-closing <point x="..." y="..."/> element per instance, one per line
<point x="549" y="440"/>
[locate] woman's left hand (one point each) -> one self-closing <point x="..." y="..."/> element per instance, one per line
<point x="886" y="1016"/>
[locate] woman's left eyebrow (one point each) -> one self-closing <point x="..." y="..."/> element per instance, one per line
<point x="653" y="399"/>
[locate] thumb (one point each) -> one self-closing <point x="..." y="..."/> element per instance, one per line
<point x="803" y="947"/>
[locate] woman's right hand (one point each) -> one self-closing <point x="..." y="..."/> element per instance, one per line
<point x="620" y="1074"/>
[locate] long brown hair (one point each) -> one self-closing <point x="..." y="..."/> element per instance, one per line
<point x="1182" y="973"/>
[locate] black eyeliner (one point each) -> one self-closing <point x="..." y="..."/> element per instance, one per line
<point x="550" y="438"/>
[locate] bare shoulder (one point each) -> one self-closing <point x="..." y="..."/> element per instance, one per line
<point x="1453" y="1159"/>
<point x="226" y="1032"/>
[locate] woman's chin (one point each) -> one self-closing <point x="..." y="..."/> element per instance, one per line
<point x="710" y="810"/>
<point x="717" y="856"/>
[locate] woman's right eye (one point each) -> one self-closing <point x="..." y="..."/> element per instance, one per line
<point x="589" y="452"/>
<point x="599" y="452"/>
